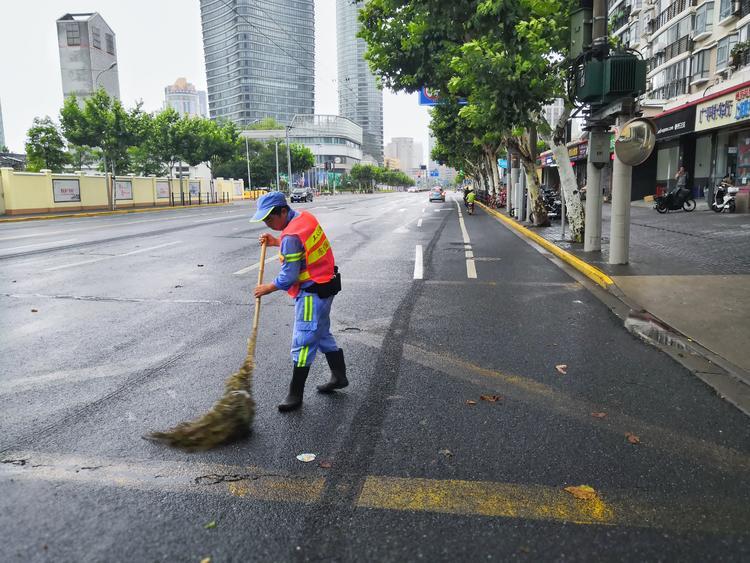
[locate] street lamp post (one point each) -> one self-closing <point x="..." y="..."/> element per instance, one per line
<point x="288" y="159"/>
<point x="247" y="156"/>
<point x="112" y="190"/>
<point x="277" y="165"/>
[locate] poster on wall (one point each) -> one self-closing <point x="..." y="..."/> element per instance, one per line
<point x="162" y="189"/>
<point x="66" y="190"/>
<point x="238" y="189"/>
<point x="123" y="189"/>
<point x="195" y="187"/>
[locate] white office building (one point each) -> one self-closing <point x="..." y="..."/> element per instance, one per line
<point x="185" y="99"/>
<point x="88" y="55"/>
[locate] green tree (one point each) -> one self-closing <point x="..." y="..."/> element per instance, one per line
<point x="81" y="157"/>
<point x="103" y="122"/>
<point x="364" y="176"/>
<point x="45" y="146"/>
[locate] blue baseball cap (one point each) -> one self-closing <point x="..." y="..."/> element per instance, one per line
<point x="266" y="204"/>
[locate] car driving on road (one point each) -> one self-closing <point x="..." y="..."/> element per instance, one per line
<point x="301" y="194"/>
<point x="436" y="194"/>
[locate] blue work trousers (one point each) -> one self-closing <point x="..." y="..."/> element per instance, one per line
<point x="312" y="328"/>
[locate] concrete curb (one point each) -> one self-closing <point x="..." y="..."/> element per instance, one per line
<point x="594" y="274"/>
<point x="98" y="213"/>
<point x="730" y="382"/>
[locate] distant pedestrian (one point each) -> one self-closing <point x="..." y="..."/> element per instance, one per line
<point x="681" y="177"/>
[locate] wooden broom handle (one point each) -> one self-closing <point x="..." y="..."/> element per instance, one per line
<point x="261" y="268"/>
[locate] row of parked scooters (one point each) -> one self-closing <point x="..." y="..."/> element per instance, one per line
<point x="682" y="198"/>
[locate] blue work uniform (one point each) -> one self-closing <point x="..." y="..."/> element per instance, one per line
<point x="312" y="322"/>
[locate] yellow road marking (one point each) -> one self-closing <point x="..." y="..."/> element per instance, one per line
<point x="482" y="498"/>
<point x="308" y="490"/>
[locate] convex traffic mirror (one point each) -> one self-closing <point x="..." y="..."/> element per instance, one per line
<point x="636" y="141"/>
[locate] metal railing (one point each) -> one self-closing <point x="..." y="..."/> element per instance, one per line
<point x="665" y="16"/>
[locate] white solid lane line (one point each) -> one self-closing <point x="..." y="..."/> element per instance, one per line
<point x="16" y="237"/>
<point x="99" y="259"/>
<point x="418" y="268"/>
<point x="254" y="266"/>
<point x="471" y="267"/>
<point x="419" y="223"/>
<point x="37" y="244"/>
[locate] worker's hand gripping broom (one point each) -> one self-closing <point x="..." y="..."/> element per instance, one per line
<point x="231" y="416"/>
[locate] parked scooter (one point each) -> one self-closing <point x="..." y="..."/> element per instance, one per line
<point x="679" y="198"/>
<point x="552" y="202"/>
<point x="724" y="197"/>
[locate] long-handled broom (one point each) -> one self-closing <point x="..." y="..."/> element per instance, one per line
<point x="231" y="416"/>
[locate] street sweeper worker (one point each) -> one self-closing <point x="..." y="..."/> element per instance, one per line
<point x="309" y="275"/>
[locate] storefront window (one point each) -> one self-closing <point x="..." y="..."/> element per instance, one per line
<point x="667" y="162"/>
<point x="743" y="157"/>
<point x="702" y="168"/>
<point x="726" y="156"/>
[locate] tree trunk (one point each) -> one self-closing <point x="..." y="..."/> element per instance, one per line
<point x="526" y="153"/>
<point x="568" y="184"/>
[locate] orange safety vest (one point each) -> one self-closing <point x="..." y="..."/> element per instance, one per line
<point x="319" y="260"/>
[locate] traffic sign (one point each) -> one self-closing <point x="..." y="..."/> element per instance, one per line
<point x="431" y="97"/>
<point x="435" y="173"/>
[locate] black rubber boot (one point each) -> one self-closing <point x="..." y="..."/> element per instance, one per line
<point x="293" y="400"/>
<point x="338" y="372"/>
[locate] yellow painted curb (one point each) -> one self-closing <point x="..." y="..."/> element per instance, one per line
<point x="116" y="212"/>
<point x="586" y="269"/>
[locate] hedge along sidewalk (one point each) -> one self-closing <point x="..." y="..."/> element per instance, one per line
<point x="98" y="213"/>
<point x="594" y="274"/>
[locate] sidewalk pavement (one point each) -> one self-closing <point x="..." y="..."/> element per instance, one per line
<point x="690" y="270"/>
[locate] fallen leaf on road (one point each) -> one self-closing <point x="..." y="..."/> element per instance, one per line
<point x="34" y="310"/>
<point x="583" y="492"/>
<point x="446" y="453"/>
<point x="598" y="414"/>
<point x="470" y="402"/>
<point x="562" y="368"/>
<point x="206" y="560"/>
<point x="210" y="525"/>
<point x="632" y="438"/>
<point x="306" y="458"/>
<point x="491" y="398"/>
<point x="200" y="265"/>
<point x="325" y="464"/>
<point x="177" y="286"/>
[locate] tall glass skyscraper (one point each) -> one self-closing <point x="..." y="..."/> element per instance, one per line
<point x="360" y="99"/>
<point x="260" y="58"/>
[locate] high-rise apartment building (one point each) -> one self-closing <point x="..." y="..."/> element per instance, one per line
<point x="698" y="91"/>
<point x="88" y="55"/>
<point x="360" y="99"/>
<point x="260" y="57"/>
<point x="185" y="99"/>
<point x="407" y="151"/>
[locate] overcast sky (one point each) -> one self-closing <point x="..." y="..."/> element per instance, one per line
<point x="158" y="41"/>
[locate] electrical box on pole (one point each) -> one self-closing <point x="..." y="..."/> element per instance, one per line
<point x="581" y="24"/>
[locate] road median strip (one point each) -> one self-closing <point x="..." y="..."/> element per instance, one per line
<point x="585" y="268"/>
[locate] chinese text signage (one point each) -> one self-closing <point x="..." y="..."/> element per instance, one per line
<point x="66" y="190"/>
<point x="726" y="110"/>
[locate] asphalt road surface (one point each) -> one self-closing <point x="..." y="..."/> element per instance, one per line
<point x="454" y="442"/>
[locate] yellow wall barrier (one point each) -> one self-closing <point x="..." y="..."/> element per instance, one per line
<point x="45" y="192"/>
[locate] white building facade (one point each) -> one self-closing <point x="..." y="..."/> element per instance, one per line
<point x="360" y="99"/>
<point x="88" y="55"/>
<point x="185" y="99"/>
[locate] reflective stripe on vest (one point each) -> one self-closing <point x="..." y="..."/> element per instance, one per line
<point x="319" y="259"/>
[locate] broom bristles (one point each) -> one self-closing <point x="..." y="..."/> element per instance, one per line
<point x="229" y="419"/>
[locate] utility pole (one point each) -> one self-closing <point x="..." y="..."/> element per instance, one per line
<point x="288" y="160"/>
<point x="609" y="82"/>
<point x="513" y="194"/>
<point x="247" y="156"/>
<point x="277" y="165"/>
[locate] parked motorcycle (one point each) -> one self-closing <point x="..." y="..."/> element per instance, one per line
<point x="680" y="198"/>
<point x="552" y="202"/>
<point x="724" y="197"/>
